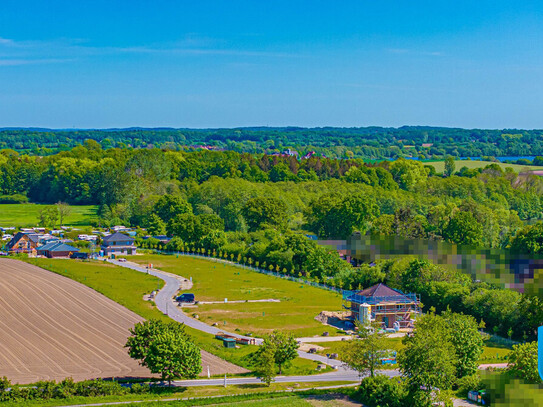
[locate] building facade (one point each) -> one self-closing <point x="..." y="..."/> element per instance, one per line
<point x="380" y="303"/>
<point x="118" y="244"/>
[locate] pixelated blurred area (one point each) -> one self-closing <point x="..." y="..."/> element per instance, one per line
<point x="504" y="391"/>
<point x="502" y="267"/>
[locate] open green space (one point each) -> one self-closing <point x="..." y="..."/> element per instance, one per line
<point x="127" y="288"/>
<point x="440" y="165"/>
<point x="207" y="395"/>
<point x="492" y="352"/>
<point x="214" y="281"/>
<point x="26" y="215"/>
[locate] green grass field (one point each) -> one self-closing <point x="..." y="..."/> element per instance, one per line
<point x="440" y="165"/>
<point x="299" y="304"/>
<point x="26" y="215"/>
<point x="492" y="352"/>
<point x="127" y="288"/>
<point x="245" y="395"/>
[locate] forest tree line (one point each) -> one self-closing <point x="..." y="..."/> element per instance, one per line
<point x="256" y="209"/>
<point x="345" y="143"/>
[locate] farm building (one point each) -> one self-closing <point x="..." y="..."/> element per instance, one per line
<point x="383" y="304"/>
<point x="24" y="243"/>
<point x="118" y="243"/>
<point x="56" y="249"/>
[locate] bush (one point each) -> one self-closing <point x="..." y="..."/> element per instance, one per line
<point x="98" y="387"/>
<point x="13" y="199"/>
<point x="140" y="388"/>
<point x="382" y="391"/>
<point x="469" y="383"/>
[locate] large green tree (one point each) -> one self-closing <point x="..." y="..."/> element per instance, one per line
<point x="336" y="216"/>
<point x="467" y="342"/>
<point x="164" y="348"/>
<point x="169" y="206"/>
<point x="464" y="228"/>
<point x="428" y="361"/>
<point x="264" y="212"/>
<point x="529" y="239"/>
<point x="408" y="173"/>
<point x="364" y="354"/>
<point x="283" y="345"/>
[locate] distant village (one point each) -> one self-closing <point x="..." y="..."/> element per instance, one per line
<point x="42" y="242"/>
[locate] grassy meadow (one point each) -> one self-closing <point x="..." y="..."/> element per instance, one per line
<point x="250" y="395"/>
<point x="26" y="215"/>
<point x="127" y="288"/>
<point x="440" y="165"/>
<point x="492" y="352"/>
<point x="299" y="304"/>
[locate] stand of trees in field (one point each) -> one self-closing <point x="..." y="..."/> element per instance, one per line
<point x="367" y="142"/>
<point x="255" y="209"/>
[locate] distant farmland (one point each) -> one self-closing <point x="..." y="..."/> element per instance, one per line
<point x="440" y="165"/>
<point x="26" y="215"/>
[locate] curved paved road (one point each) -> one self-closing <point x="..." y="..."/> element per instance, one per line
<point x="164" y="302"/>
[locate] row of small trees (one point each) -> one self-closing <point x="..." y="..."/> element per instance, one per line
<point x="238" y="258"/>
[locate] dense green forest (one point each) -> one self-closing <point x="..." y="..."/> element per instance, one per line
<point x="365" y="142"/>
<point x="256" y="208"/>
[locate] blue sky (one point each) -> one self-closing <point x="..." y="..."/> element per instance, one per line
<point x="234" y="63"/>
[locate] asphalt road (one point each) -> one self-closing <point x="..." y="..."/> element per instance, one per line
<point x="345" y="376"/>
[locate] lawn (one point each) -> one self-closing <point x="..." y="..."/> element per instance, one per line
<point x="232" y="395"/>
<point x="299" y="304"/>
<point x="440" y="165"/>
<point x="492" y="352"/>
<point x="127" y="287"/>
<point x="26" y="215"/>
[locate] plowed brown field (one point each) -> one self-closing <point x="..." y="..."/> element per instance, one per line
<point x="52" y="327"/>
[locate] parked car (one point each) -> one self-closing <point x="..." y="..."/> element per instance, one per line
<point x="187" y="297"/>
<point x="80" y="255"/>
<point x="122" y="260"/>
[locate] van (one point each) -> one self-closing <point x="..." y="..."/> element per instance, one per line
<point x="187" y="297"/>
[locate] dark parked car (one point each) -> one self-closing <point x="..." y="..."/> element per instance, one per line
<point x="185" y="298"/>
<point x="79" y="255"/>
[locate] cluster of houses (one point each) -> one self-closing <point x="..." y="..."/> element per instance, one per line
<point x="39" y="242"/>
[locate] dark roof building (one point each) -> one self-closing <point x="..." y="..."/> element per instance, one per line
<point x="56" y="249"/>
<point x="23" y="243"/>
<point x="118" y="243"/>
<point x="384" y="304"/>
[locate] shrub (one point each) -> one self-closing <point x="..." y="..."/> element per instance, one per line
<point x="382" y="391"/>
<point x="138" y="388"/>
<point x="469" y="383"/>
<point x="13" y="199"/>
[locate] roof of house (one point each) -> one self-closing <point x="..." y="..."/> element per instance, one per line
<point x="118" y="237"/>
<point x="379" y="290"/>
<point x="381" y="293"/>
<point x="57" y="247"/>
<point x="33" y="237"/>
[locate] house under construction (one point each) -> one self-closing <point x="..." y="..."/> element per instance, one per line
<point x="380" y="303"/>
